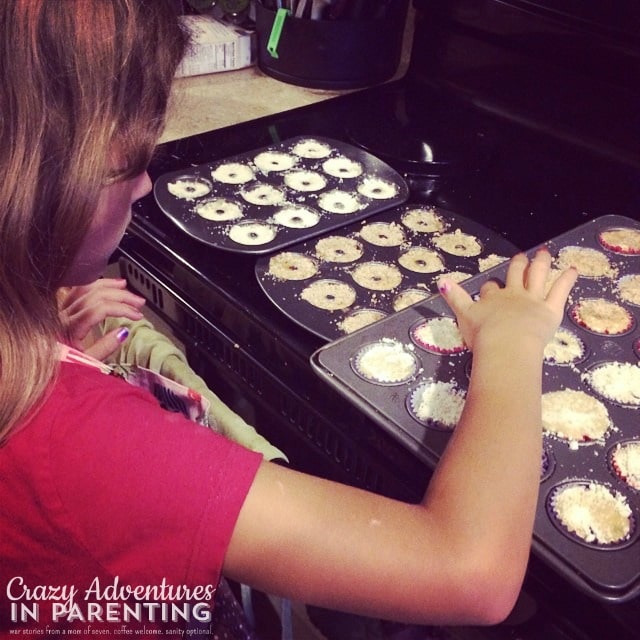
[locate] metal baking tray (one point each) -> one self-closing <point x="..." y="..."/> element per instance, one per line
<point x="269" y="198"/>
<point x="606" y="572"/>
<point x="390" y="226"/>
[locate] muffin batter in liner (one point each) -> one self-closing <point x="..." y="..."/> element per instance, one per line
<point x="436" y="404"/>
<point x="624" y="462"/>
<point x="565" y="348"/>
<point x="592" y="514"/>
<point x="617" y="382"/>
<point x="385" y="362"/>
<point x="622" y="240"/>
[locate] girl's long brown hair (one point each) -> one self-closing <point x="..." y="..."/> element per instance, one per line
<point x="78" y="79"/>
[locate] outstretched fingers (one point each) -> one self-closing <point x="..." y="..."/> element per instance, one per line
<point x="537" y="272"/>
<point x="516" y="273"/>
<point x="537" y="281"/>
<point x="457" y="298"/>
<point x="560" y="289"/>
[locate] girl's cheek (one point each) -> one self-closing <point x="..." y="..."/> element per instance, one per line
<point x="141" y="187"/>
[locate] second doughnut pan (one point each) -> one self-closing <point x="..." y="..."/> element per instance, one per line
<point x="367" y="270"/>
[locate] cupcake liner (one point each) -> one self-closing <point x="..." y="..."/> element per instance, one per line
<point x="631" y="478"/>
<point x="386" y="362"/>
<point x="565" y="348"/>
<point x="436" y="404"/>
<point x="602" y="317"/>
<point x="547" y="463"/>
<point x="613" y="381"/>
<point x="438" y="335"/>
<point x="621" y="240"/>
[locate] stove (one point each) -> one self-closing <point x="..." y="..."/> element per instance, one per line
<point x="520" y="116"/>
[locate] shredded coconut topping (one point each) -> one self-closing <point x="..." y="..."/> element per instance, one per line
<point x="574" y="415"/>
<point x="625" y="460"/>
<point x="564" y="347"/>
<point x="440" y="402"/>
<point x="625" y="241"/>
<point x="439" y="334"/>
<point x="602" y="316"/>
<point x="589" y="262"/>
<point x="593" y="512"/>
<point x="387" y="361"/>
<point x="616" y="381"/>
<point x="629" y="288"/>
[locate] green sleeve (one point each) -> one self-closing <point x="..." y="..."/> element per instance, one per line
<point x="151" y="349"/>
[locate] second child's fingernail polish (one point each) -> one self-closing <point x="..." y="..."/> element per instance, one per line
<point x="443" y="286"/>
<point x="122" y="334"/>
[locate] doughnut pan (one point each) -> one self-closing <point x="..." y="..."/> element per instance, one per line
<point x="606" y="572"/>
<point x="286" y="294"/>
<point x="182" y="211"/>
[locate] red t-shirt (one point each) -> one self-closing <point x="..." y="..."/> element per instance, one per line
<point x="101" y="490"/>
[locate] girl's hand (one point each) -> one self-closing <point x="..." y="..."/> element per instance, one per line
<point x="521" y="310"/>
<point x="82" y="309"/>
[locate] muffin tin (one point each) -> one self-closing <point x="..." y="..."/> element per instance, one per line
<point x="380" y="244"/>
<point x="609" y="572"/>
<point x="269" y="198"/>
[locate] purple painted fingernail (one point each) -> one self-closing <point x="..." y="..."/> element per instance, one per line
<point x="122" y="334"/>
<point x="443" y="287"/>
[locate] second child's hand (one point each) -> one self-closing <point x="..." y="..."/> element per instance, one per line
<point x="83" y="308"/>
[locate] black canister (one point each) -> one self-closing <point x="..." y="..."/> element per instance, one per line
<point x="344" y="53"/>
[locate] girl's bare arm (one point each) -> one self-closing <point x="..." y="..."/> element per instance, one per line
<point x="460" y="555"/>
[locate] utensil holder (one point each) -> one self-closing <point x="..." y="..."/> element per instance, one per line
<point x="333" y="54"/>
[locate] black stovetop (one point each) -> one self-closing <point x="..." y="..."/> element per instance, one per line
<point x="521" y="183"/>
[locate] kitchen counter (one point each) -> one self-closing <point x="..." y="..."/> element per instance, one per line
<point x="207" y="102"/>
<point x="213" y="101"/>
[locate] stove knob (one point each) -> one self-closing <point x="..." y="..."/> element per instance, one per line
<point x="236" y="11"/>
<point x="202" y="5"/>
